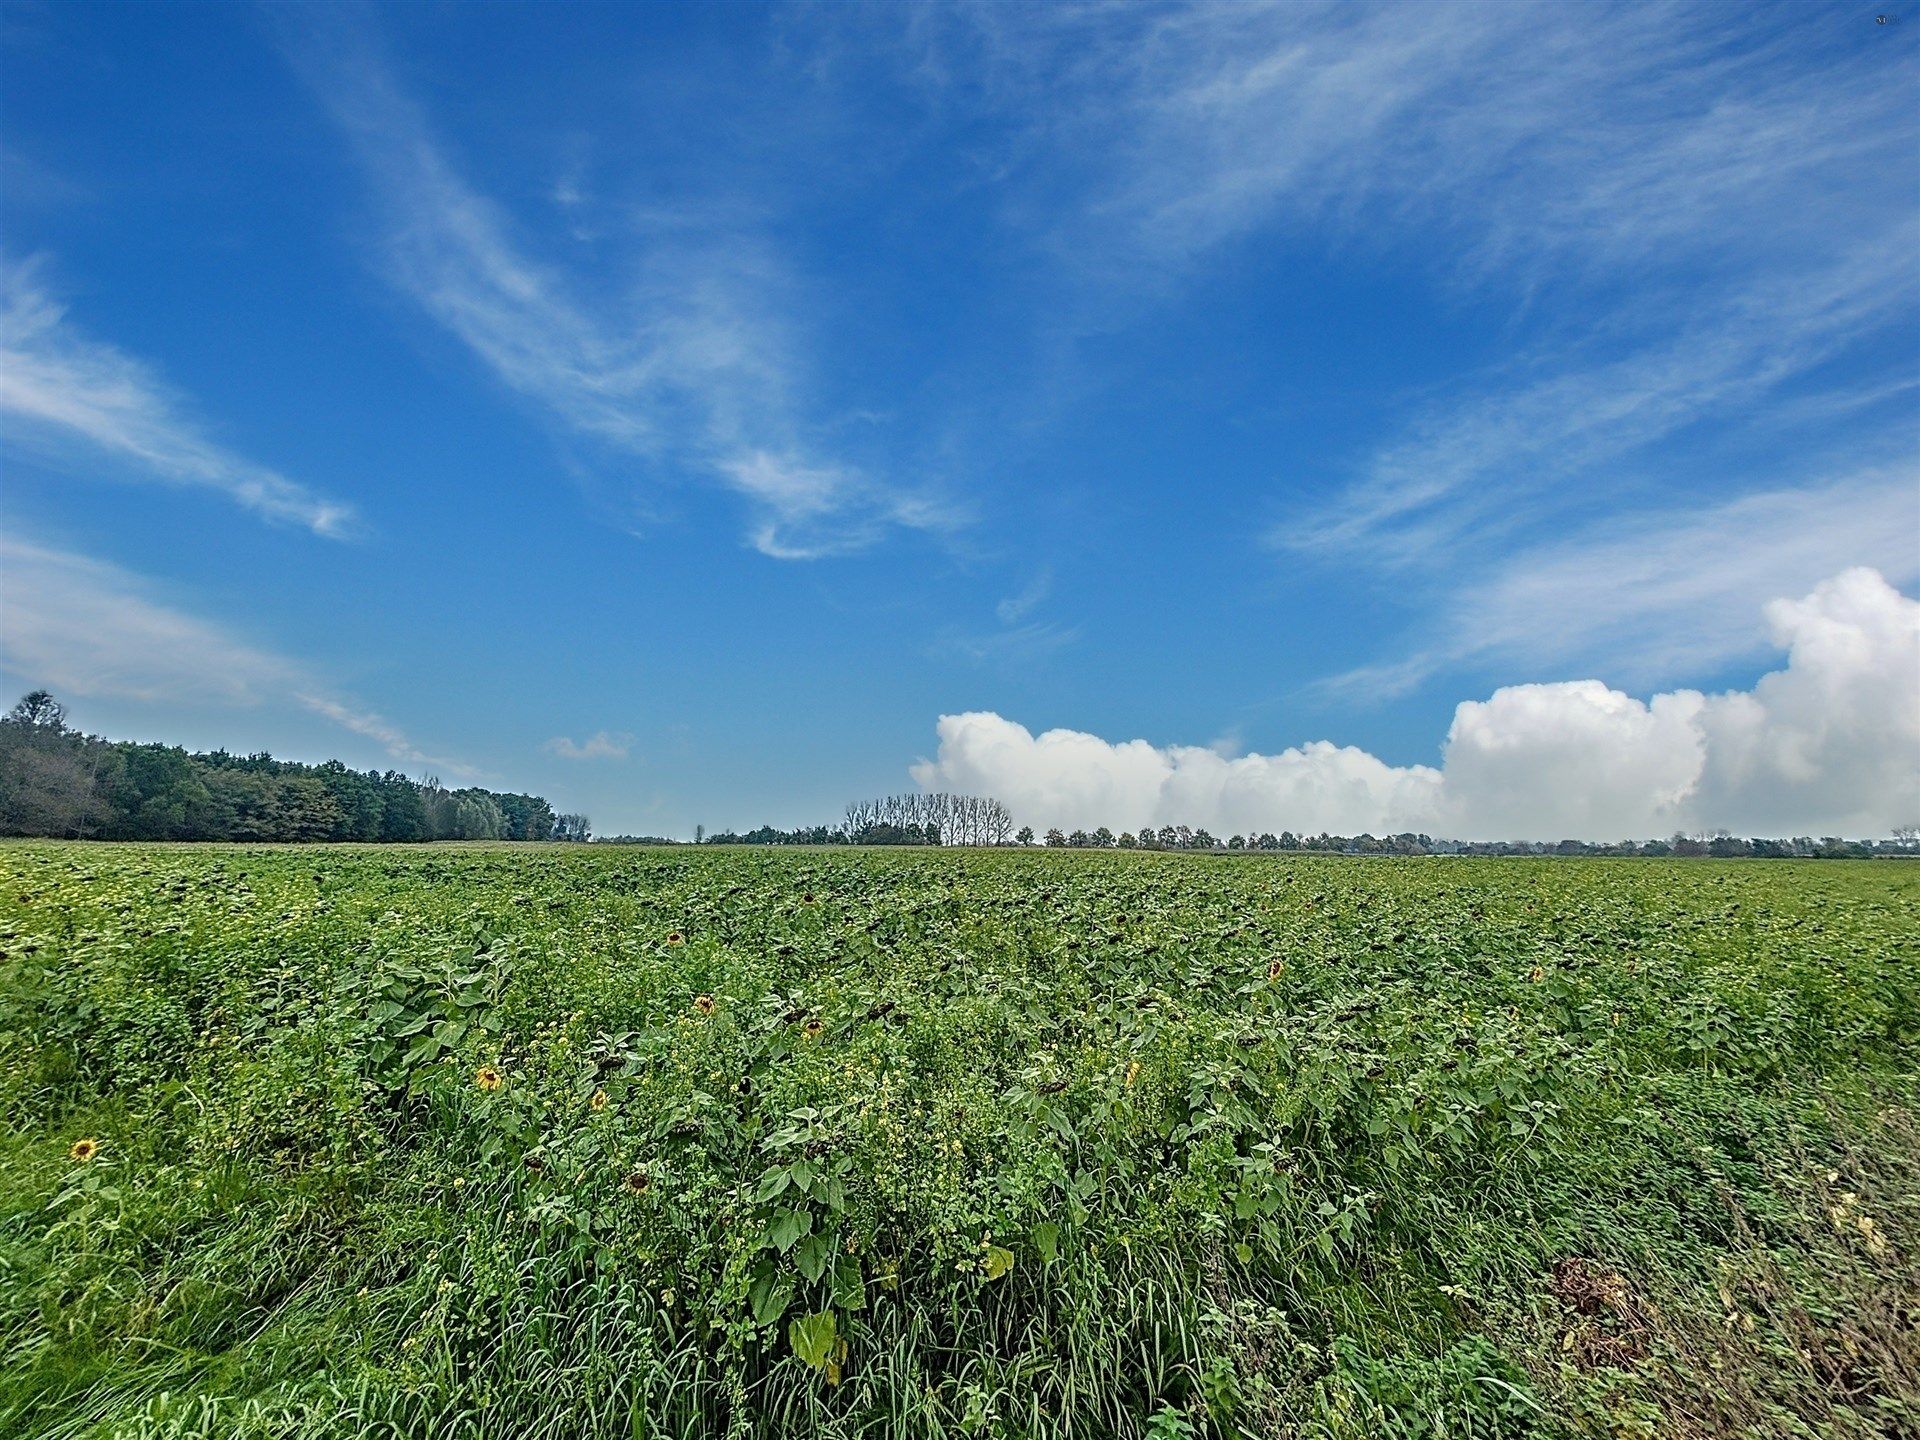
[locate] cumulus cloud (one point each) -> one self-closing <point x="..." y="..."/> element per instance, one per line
<point x="1075" y="780"/>
<point x="1835" y="733"/>
<point x="62" y="390"/>
<point x="80" y="626"/>
<point x="601" y="745"/>
<point x="1829" y="744"/>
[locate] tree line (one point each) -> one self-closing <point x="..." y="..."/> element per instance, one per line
<point x="58" y="782"/>
<point x="896" y="821"/>
<point x="1718" y="844"/>
<point x="1182" y="837"/>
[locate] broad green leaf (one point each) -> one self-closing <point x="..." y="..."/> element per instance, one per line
<point x="849" y="1286"/>
<point x="769" y="1298"/>
<point x="787" y="1226"/>
<point x="813" y="1337"/>
<point x="814" y="1254"/>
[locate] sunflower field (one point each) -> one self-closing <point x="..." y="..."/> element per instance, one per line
<point x="527" y="1142"/>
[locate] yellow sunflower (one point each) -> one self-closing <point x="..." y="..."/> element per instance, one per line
<point x="488" y="1078"/>
<point x="84" y="1150"/>
<point x="703" y="1003"/>
<point x="638" y="1182"/>
<point x="674" y="937"/>
<point x="599" y="1100"/>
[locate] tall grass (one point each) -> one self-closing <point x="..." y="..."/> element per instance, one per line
<point x="954" y="1144"/>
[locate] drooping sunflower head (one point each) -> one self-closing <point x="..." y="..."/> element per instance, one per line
<point x="84" y="1150"/>
<point x="488" y="1078"/>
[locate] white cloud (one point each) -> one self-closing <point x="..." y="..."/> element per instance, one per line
<point x="1518" y="139"/>
<point x="1485" y="465"/>
<point x="1685" y="228"/>
<point x="1830" y="744"/>
<point x="1019" y="638"/>
<point x="1837" y="732"/>
<point x="601" y="745"/>
<point x="1713" y="211"/>
<point x="1657" y="596"/>
<point x="376" y="728"/>
<point x="1032" y="641"/>
<point x="60" y="389"/>
<point x="79" y="626"/>
<point x="1571" y="759"/>
<point x="1015" y="608"/>
<point x="693" y="366"/>
<point x="1075" y="780"/>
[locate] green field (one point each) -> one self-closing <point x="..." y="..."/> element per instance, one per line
<point x="555" y="1141"/>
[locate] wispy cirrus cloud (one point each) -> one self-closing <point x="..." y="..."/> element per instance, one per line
<point x="1518" y="142"/>
<point x="601" y="745"/>
<point x="1655" y="595"/>
<point x="1690" y="228"/>
<point x="1020" y="636"/>
<point x="1015" y="608"/>
<point x="1031" y="641"/>
<point x="81" y="626"/>
<point x="1485" y="465"/>
<point x="67" y="395"/>
<point x="693" y="366"/>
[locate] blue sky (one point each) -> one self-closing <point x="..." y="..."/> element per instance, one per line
<point x="445" y="386"/>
